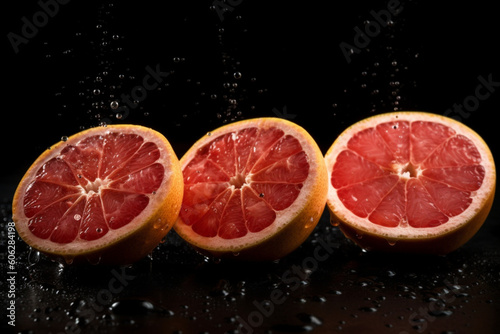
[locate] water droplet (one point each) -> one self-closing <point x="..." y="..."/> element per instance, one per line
<point x="368" y="309"/>
<point x="33" y="256"/>
<point x="64" y="138"/>
<point x="114" y="105"/>
<point x="334" y="222"/>
<point x="309" y="319"/>
<point x="391" y="242"/>
<point x="209" y="134"/>
<point x="77" y="217"/>
<point x="440" y="313"/>
<point x="261" y="195"/>
<point x="69" y="259"/>
<point x="118" y="115"/>
<point x="237" y="75"/>
<point x="391" y="273"/>
<point x="94" y="259"/>
<point x="132" y="307"/>
<point x="99" y="230"/>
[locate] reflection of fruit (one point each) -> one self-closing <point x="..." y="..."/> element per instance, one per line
<point x="410" y="181"/>
<point x="254" y="188"/>
<point x="107" y="194"/>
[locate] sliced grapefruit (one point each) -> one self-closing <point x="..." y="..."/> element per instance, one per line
<point x="107" y="195"/>
<point x="254" y="189"/>
<point x="410" y="182"/>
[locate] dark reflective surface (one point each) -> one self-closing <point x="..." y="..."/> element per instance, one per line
<point x="328" y="284"/>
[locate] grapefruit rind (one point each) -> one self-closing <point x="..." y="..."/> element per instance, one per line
<point x="129" y="243"/>
<point x="441" y="239"/>
<point x="292" y="225"/>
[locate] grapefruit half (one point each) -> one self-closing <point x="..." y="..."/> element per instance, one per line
<point x="411" y="182"/>
<point x="254" y="190"/>
<point x="107" y="195"/>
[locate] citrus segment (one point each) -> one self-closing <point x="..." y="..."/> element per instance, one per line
<point x="97" y="190"/>
<point x="410" y="176"/>
<point x="249" y="183"/>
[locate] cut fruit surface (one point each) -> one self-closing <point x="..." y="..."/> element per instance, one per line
<point x="410" y="181"/>
<point x="255" y="188"/>
<point x="109" y="194"/>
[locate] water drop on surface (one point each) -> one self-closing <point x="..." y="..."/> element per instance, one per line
<point x="94" y="260"/>
<point x="114" y="105"/>
<point x="64" y="138"/>
<point x="391" y="242"/>
<point x="132" y="307"/>
<point x="33" y="256"/>
<point x="237" y="75"/>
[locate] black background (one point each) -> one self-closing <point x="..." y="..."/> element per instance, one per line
<point x="287" y="54"/>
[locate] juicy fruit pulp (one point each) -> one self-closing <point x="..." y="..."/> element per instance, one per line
<point x="238" y="182"/>
<point x="99" y="184"/>
<point x="106" y="194"/>
<point x="417" y="173"/>
<point x="420" y="180"/>
<point x="255" y="188"/>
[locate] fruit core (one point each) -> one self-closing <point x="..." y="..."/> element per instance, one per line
<point x="238" y="180"/>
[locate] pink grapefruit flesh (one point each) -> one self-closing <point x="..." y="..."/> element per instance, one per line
<point x="409" y="176"/>
<point x="246" y="181"/>
<point x="94" y="189"/>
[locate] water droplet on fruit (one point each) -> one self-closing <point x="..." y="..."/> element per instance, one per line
<point x="99" y="230"/>
<point x="77" y="217"/>
<point x="158" y="223"/>
<point x="209" y="134"/>
<point x="334" y="222"/>
<point x="64" y="138"/>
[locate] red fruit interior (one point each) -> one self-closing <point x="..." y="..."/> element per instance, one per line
<point x="408" y="173"/>
<point x="99" y="184"/>
<point x="237" y="182"/>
